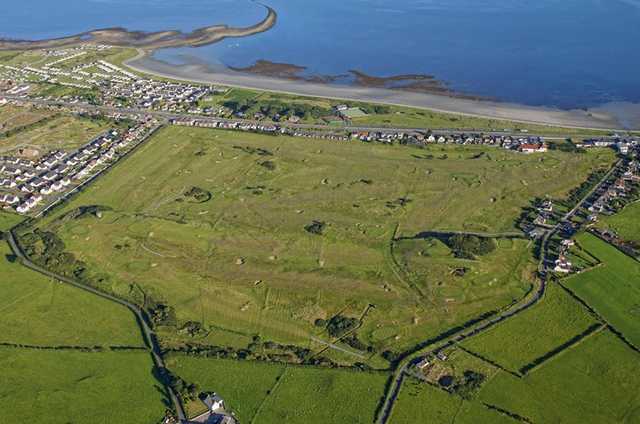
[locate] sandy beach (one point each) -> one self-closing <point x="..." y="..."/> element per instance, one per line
<point x="620" y="116"/>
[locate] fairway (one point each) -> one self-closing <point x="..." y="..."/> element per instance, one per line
<point x="264" y="393"/>
<point x="524" y="338"/>
<point x="38" y="311"/>
<point x="613" y="288"/>
<point x="257" y="234"/>
<point x="597" y="381"/>
<point x="77" y="387"/>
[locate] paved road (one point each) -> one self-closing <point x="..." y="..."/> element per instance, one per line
<point x="141" y="317"/>
<point x="324" y="127"/>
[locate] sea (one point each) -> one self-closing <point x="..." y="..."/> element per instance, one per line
<point x="561" y="53"/>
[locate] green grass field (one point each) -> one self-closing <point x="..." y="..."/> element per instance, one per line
<point x="264" y="393"/>
<point x="239" y="257"/>
<point x="311" y="395"/>
<point x="38" y="311"/>
<point x="8" y="220"/>
<point x="422" y="403"/>
<point x="625" y="223"/>
<point x="546" y="326"/>
<point x="613" y="288"/>
<point x="62" y="387"/>
<point x="243" y="385"/>
<point x="597" y="381"/>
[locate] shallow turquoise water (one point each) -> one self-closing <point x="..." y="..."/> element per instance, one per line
<point x="566" y="53"/>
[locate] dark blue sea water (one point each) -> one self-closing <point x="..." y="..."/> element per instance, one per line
<point x="565" y="53"/>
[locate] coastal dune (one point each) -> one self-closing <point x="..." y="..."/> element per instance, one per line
<point x="601" y="118"/>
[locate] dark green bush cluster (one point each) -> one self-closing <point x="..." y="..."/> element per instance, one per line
<point x="469" y="246"/>
<point x="338" y="325"/>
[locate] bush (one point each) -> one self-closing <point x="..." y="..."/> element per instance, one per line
<point x="316" y="227"/>
<point x="338" y="325"/>
<point x="468" y="246"/>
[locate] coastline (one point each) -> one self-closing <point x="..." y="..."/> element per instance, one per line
<point x="146" y="40"/>
<point x="601" y="118"/>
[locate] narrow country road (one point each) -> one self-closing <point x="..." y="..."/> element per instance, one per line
<point x="141" y="317"/>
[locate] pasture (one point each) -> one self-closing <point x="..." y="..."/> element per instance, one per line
<point x="38" y="311"/>
<point x="596" y="381"/>
<point x="244" y="385"/>
<point x="612" y="289"/>
<point x="555" y="320"/>
<point x="266" y="393"/>
<point x="78" y="387"/>
<point x="257" y="234"/>
<point x="422" y="403"/>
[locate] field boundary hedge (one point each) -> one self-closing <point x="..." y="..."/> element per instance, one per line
<point x="541" y="360"/>
<point x="92" y="349"/>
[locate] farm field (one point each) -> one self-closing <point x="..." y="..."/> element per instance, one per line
<point x="304" y="394"/>
<point x="625" y="223"/>
<point x="259" y="234"/>
<point x="61" y="132"/>
<point x="546" y="326"/>
<point x="422" y="403"/>
<point x="266" y="393"/>
<point x="613" y="288"/>
<point x="78" y="387"/>
<point x="41" y="312"/>
<point x="596" y="381"/>
<point x="243" y="385"/>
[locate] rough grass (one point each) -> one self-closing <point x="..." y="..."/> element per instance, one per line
<point x="63" y="133"/>
<point x="13" y="116"/>
<point x="422" y="403"/>
<point x="416" y="118"/>
<point x="76" y="387"/>
<point x="265" y="393"/>
<point x="546" y="326"/>
<point x="38" y="311"/>
<point x="186" y="252"/>
<point x="613" y="288"/>
<point x="597" y="381"/>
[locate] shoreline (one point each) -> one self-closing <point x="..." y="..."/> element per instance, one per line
<point x="122" y="37"/>
<point x="600" y="118"/>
